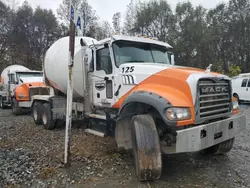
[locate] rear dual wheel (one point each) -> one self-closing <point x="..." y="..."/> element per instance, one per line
<point x="36" y="113"/>
<point x="42" y="115"/>
<point x="47" y="120"/>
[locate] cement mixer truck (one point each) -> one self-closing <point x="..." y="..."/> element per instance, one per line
<point x="129" y="88"/>
<point x="18" y="85"/>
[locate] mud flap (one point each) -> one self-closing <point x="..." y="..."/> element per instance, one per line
<point x="146" y="148"/>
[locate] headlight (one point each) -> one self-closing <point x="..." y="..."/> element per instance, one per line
<point x="22" y="96"/>
<point x="175" y="114"/>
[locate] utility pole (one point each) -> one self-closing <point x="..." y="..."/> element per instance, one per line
<point x="70" y="88"/>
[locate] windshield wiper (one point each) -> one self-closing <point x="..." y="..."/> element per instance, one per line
<point x="133" y="61"/>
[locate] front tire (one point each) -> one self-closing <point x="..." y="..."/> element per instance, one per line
<point x="16" y="110"/>
<point x="146" y="148"/>
<point x="47" y="121"/>
<point x="221" y="148"/>
<point x="36" y="113"/>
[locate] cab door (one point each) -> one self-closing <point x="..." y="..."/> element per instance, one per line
<point x="244" y="90"/>
<point x="103" y="78"/>
<point x="12" y="83"/>
<point x="247" y="96"/>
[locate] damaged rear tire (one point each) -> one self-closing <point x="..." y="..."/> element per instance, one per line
<point x="146" y="148"/>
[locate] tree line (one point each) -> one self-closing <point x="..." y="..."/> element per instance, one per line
<point x="26" y="33"/>
<point x="218" y="36"/>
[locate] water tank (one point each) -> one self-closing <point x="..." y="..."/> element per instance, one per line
<point x="56" y="65"/>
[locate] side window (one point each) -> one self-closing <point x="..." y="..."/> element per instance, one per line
<point x="12" y="78"/>
<point x="244" y="83"/>
<point x="91" y="66"/>
<point x="248" y="85"/>
<point x="103" y="60"/>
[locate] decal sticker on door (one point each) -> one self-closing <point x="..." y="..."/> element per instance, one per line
<point x="100" y="85"/>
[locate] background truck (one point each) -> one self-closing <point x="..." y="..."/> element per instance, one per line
<point x="129" y="88"/>
<point x="241" y="87"/>
<point x="18" y="85"/>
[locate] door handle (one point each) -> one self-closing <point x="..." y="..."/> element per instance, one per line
<point x="247" y="89"/>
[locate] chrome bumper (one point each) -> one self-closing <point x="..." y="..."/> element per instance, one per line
<point x="204" y="136"/>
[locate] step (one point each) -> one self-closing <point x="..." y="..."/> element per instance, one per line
<point x="97" y="116"/>
<point x="94" y="132"/>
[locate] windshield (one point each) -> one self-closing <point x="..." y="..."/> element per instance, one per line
<point x="30" y="77"/>
<point x="125" y="52"/>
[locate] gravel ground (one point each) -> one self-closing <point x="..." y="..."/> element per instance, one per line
<point x="33" y="157"/>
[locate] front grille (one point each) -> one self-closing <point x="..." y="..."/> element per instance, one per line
<point x="214" y="98"/>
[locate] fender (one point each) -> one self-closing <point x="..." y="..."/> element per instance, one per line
<point x="152" y="99"/>
<point x="161" y="97"/>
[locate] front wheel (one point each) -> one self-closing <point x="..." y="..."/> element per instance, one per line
<point x="47" y="120"/>
<point x="220" y="148"/>
<point x="146" y="148"/>
<point x="16" y="110"/>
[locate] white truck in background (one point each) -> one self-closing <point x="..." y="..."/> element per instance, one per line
<point x="129" y="88"/>
<point x="18" y="85"/>
<point x="241" y="87"/>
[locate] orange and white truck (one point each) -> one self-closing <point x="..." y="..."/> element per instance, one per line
<point x="18" y="85"/>
<point x="129" y="88"/>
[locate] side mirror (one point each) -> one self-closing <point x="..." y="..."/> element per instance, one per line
<point x="106" y="45"/>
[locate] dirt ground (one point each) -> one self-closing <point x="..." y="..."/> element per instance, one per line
<point x="33" y="157"/>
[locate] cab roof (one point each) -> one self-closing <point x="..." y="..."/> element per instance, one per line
<point x="133" y="39"/>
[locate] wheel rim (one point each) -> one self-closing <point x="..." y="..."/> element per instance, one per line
<point x="35" y="115"/>
<point x="45" y="119"/>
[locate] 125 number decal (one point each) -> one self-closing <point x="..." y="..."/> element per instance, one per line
<point x="128" y="69"/>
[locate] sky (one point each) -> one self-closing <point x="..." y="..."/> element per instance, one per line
<point x="106" y="8"/>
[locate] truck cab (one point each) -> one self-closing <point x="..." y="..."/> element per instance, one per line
<point x="124" y="64"/>
<point x="18" y="86"/>
<point x="28" y="83"/>
<point x="129" y="88"/>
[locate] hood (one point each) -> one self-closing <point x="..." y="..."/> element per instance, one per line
<point x="176" y="83"/>
<point x="22" y="92"/>
<point x="153" y="68"/>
